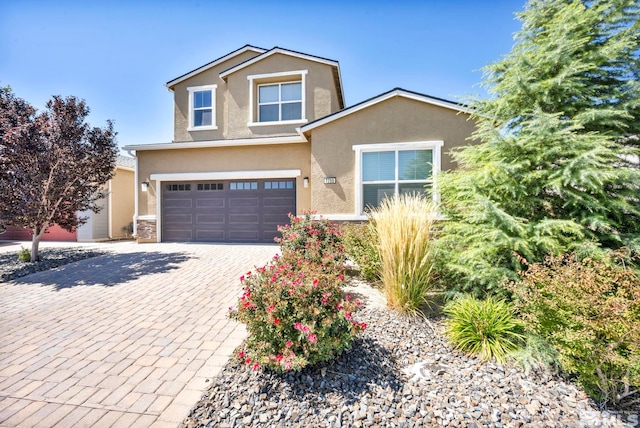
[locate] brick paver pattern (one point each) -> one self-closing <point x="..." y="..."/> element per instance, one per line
<point x="123" y="340"/>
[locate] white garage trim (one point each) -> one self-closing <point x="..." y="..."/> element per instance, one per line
<point x="226" y="175"/>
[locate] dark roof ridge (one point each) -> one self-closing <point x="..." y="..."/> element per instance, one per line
<point x="247" y="46"/>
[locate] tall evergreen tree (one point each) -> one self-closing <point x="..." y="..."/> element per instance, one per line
<point x="557" y="167"/>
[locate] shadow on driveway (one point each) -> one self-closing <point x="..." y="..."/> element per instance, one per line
<point x="107" y="270"/>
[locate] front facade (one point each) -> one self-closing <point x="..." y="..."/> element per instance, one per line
<point x="262" y="133"/>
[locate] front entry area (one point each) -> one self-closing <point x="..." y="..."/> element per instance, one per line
<point x="226" y="210"/>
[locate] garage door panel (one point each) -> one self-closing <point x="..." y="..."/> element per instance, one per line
<point x="244" y="202"/>
<point x="270" y="235"/>
<point x="211" y="235"/>
<point x="178" y="203"/>
<point x="275" y="218"/>
<point x="253" y="219"/>
<point x="215" y="212"/>
<point x="244" y="235"/>
<point x="279" y="202"/>
<point x="218" y="202"/>
<point x="178" y="235"/>
<point x="202" y="219"/>
<point x="178" y="218"/>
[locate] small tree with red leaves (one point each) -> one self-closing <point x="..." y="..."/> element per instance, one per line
<point x="52" y="164"/>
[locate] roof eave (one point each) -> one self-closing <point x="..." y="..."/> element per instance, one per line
<point x="291" y="139"/>
<point x="273" y="51"/>
<point x="396" y="92"/>
<point x="213" y="63"/>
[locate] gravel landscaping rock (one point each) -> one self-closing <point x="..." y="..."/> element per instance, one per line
<point x="11" y="267"/>
<point x="400" y="373"/>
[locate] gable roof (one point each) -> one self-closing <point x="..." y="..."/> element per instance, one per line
<point x="396" y="92"/>
<point x="277" y="50"/>
<point x="213" y="63"/>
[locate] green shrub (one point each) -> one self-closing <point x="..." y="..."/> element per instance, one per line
<point x="589" y="310"/>
<point x="537" y="354"/>
<point x="403" y="226"/>
<point x="296" y="315"/>
<point x="316" y="240"/>
<point x="360" y="243"/>
<point x="485" y="327"/>
<point x="294" y="308"/>
<point x="24" y="255"/>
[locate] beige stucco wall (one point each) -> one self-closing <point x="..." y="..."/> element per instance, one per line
<point x="232" y="97"/>
<point x="394" y="120"/>
<point x="121" y="201"/>
<point x="320" y="93"/>
<point x="223" y="159"/>
<point x="181" y="100"/>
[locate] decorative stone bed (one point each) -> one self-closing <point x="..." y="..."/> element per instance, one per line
<point x="11" y="268"/>
<point x="400" y="373"/>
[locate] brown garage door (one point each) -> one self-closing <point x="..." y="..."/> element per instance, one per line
<point x="226" y="211"/>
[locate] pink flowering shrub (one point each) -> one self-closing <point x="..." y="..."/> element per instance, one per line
<point x="315" y="240"/>
<point x="296" y="314"/>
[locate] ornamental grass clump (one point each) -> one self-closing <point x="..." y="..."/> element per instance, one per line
<point x="589" y="311"/>
<point x="403" y="225"/>
<point x="487" y="327"/>
<point x="296" y="314"/>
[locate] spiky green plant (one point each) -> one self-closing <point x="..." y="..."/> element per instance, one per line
<point x="487" y="327"/>
<point x="403" y="225"/>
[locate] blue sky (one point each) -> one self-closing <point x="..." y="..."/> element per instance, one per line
<point x="118" y="55"/>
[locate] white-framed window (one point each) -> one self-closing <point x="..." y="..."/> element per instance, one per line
<point x="277" y="98"/>
<point x="279" y="102"/>
<point x="202" y="108"/>
<point x="384" y="170"/>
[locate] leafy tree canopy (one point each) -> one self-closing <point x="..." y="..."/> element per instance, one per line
<point x="52" y="164"/>
<point x="556" y="168"/>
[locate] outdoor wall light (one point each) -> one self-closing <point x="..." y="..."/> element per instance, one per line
<point x="305" y="182"/>
<point x="144" y="186"/>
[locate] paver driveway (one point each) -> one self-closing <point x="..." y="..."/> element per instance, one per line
<point x="125" y="339"/>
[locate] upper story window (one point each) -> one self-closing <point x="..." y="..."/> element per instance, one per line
<point x="202" y="107"/>
<point x="279" y="102"/>
<point x="277" y="98"/>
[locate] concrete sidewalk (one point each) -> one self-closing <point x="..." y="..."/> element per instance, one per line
<point x="125" y="339"/>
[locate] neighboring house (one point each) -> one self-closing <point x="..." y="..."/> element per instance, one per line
<point x="261" y="133"/>
<point x="112" y="222"/>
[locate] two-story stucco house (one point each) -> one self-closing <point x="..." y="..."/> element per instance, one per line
<point x="262" y="133"/>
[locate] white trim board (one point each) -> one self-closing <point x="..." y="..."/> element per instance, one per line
<point x="293" y="139"/>
<point x="226" y="175"/>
